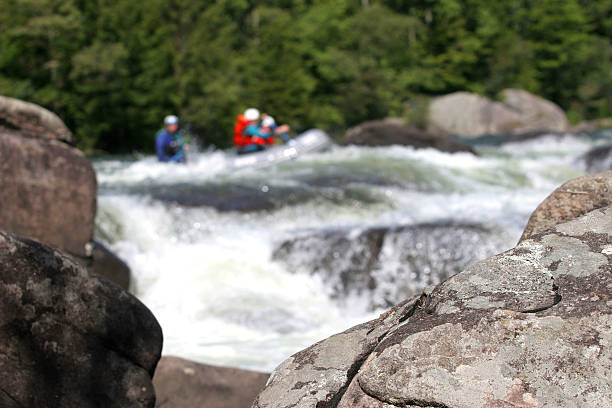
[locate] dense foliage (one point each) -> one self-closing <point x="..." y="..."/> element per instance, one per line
<point x="113" y="68"/>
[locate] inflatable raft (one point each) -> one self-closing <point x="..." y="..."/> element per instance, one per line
<point x="312" y="140"/>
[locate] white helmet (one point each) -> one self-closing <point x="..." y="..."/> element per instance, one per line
<point x="170" y="120"/>
<point x="268" y="121"/>
<point x="251" y="114"/>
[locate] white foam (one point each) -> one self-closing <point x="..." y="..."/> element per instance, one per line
<point x="209" y="278"/>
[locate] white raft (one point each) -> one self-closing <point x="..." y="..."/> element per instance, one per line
<point x="312" y="140"/>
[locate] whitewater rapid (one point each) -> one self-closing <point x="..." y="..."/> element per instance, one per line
<point x="200" y="239"/>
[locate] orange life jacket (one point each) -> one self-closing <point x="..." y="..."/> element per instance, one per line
<point x="240" y="139"/>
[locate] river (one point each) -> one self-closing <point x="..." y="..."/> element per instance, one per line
<point x="245" y="268"/>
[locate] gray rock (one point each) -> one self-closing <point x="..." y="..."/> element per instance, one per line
<point x="48" y="192"/>
<point x="536" y="113"/>
<point x="32" y="120"/>
<point x="181" y="383"/>
<point x="393" y="132"/>
<point x="470" y="115"/>
<point x="509" y="330"/>
<point x="69" y="339"/>
<point x="529" y="328"/>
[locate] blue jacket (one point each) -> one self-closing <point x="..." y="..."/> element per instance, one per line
<point x="169" y="147"/>
<point x="255" y="130"/>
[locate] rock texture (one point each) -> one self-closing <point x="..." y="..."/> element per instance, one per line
<point x="530" y="327"/>
<point x="181" y="383"/>
<point x="32" y="120"/>
<point x="471" y="115"/>
<point x="69" y="339"/>
<point x="573" y="199"/>
<point x="47" y="192"/>
<point x="393" y="132"/>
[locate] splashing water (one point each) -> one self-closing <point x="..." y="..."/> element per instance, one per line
<point x="203" y="243"/>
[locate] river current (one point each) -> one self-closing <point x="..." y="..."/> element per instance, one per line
<point x="244" y="268"/>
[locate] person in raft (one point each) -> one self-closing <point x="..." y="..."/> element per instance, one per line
<point x="269" y="126"/>
<point x="248" y="135"/>
<point x="169" y="144"/>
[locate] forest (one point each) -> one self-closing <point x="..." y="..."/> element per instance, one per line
<point x="112" y="69"/>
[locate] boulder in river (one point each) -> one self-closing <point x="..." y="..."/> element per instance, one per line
<point x="471" y="115"/>
<point x="48" y="192"/>
<point x="69" y="339"/>
<point x="530" y="327"/>
<point x="181" y="383"/>
<point x="48" y="188"/>
<point x="395" y="132"/>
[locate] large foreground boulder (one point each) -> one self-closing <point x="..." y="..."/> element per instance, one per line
<point x="181" y="383"/>
<point x="69" y="339"/>
<point x="530" y="327"/>
<point x="470" y="115"/>
<point x="393" y="132"/>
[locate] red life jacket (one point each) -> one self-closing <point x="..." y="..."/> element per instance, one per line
<point x="240" y="139"/>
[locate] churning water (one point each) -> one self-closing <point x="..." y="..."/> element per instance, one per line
<point x="246" y="268"/>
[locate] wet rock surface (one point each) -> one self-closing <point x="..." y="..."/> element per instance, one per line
<point x="389" y="132"/>
<point x="530" y="327"/>
<point x="69" y="339"/>
<point x="598" y="160"/>
<point x="181" y="383"/>
<point x="225" y="197"/>
<point x="388" y="264"/>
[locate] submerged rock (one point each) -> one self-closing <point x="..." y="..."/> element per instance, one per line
<point x="181" y="383"/>
<point x="230" y="197"/>
<point x="598" y="159"/>
<point x="529" y="327"/>
<point x="68" y="338"/>
<point x="389" y="132"/>
<point x="388" y="264"/>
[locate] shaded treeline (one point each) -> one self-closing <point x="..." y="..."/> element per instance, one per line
<point x="113" y="68"/>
